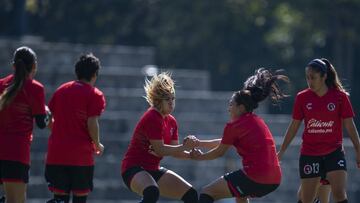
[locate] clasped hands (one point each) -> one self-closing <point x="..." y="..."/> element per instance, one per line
<point x="191" y="143"/>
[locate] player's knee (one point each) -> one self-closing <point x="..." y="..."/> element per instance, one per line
<point x="150" y="194"/>
<point x="15" y="198"/>
<point x="339" y="195"/>
<point x="191" y="196"/>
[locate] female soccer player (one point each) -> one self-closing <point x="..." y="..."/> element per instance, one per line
<point x="22" y="99"/>
<point x="74" y="139"/>
<point x="325" y="108"/>
<point x="248" y="133"/>
<point x="156" y="136"/>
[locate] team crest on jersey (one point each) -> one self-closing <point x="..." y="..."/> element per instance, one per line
<point x="331" y="106"/>
<point x="309" y="106"/>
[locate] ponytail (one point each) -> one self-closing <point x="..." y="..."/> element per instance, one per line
<point x="24" y="59"/>
<point x="332" y="79"/>
<point x="258" y="87"/>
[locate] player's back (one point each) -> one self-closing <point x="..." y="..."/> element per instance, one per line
<point x="71" y="105"/>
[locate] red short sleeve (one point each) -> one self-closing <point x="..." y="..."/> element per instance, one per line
<point x="298" y="113"/>
<point x="38" y="103"/>
<point x="97" y="104"/>
<point x="154" y="126"/>
<point x="175" y="135"/>
<point x="346" y="108"/>
<point x="228" y="136"/>
<point x="52" y="102"/>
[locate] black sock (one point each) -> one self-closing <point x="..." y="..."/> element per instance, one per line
<point x="79" y="199"/>
<point x="191" y="196"/>
<point x="316" y="200"/>
<point x="150" y="194"/>
<point x="205" y="198"/>
<point x="2" y="199"/>
<point x="344" y="201"/>
<point x="299" y="201"/>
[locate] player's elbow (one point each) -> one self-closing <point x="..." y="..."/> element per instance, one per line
<point x="41" y="125"/>
<point x="41" y="121"/>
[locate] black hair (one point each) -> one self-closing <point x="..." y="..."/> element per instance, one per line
<point x="258" y="87"/>
<point x="23" y="61"/>
<point x="87" y="66"/>
<point x="323" y="66"/>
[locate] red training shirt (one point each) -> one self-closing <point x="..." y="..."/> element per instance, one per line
<point x="152" y="126"/>
<point x="323" y="120"/>
<point x="17" y="120"/>
<point x="254" y="143"/>
<point x="71" y="106"/>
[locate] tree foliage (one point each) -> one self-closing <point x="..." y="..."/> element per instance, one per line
<point x="230" y="38"/>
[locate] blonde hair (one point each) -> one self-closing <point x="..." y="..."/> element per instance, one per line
<point x="160" y="87"/>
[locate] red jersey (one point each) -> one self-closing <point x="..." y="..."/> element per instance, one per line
<point x="254" y="143"/>
<point x="323" y="120"/>
<point x="71" y="106"/>
<point x="152" y="126"/>
<point x="17" y="120"/>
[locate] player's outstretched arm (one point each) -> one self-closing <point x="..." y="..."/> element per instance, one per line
<point x="289" y="136"/>
<point x="354" y="136"/>
<point x="174" y="149"/>
<point x="212" y="154"/>
<point x="208" y="144"/>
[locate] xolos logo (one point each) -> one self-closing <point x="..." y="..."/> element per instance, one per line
<point x="307" y="169"/>
<point x="331" y="106"/>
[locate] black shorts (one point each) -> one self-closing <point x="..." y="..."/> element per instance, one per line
<point x="66" y="179"/>
<point x="14" y="171"/>
<point x="242" y="186"/>
<point x="129" y="174"/>
<point x="319" y="166"/>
